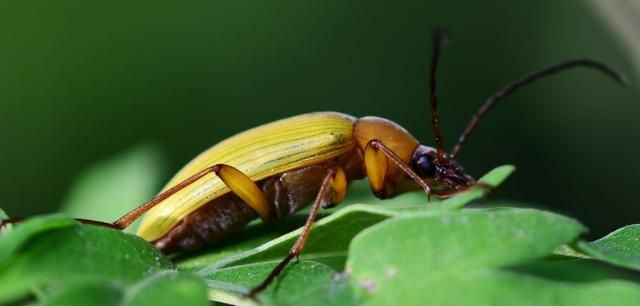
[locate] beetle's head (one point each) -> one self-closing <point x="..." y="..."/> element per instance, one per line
<point x="444" y="173"/>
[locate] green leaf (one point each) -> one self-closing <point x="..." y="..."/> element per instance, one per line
<point x="89" y="293"/>
<point x="297" y="280"/>
<point x="17" y="236"/>
<point x="51" y="252"/>
<point x="338" y="291"/>
<point x="622" y="247"/>
<point x="167" y="288"/>
<point x="3" y="215"/>
<point x="459" y="242"/>
<point x="569" y="251"/>
<point x="111" y="188"/>
<point x="505" y="288"/>
<point x="439" y="255"/>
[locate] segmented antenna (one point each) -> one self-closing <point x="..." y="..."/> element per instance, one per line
<point x="525" y="80"/>
<point x="438" y="35"/>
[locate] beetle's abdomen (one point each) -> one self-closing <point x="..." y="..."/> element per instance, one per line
<point x="208" y="225"/>
<point x="226" y="215"/>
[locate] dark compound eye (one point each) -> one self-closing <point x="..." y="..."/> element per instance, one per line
<point x="425" y="166"/>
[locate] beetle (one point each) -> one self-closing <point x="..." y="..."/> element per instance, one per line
<point x="274" y="170"/>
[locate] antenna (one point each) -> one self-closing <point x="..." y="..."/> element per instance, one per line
<point x="438" y="35"/>
<point x="525" y="80"/>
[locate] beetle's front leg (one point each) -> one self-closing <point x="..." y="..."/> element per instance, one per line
<point x="375" y="162"/>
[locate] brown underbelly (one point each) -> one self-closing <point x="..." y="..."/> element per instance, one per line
<point x="287" y="193"/>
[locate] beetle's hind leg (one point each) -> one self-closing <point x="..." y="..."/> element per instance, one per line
<point x="133" y="215"/>
<point x="333" y="182"/>
<point x="238" y="182"/>
<point x="6" y="222"/>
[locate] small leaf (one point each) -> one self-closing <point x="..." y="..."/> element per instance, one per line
<point x="167" y="288"/>
<point x="485" y="185"/>
<point x="109" y="189"/>
<point x="441" y="254"/>
<point x="52" y="252"/>
<point x="12" y="240"/>
<point x="499" y="287"/>
<point x="297" y="279"/>
<point x="461" y="241"/>
<point x="622" y="247"/>
<point x="568" y="251"/>
<point x="90" y="293"/>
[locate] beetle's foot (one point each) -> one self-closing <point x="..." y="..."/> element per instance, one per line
<point x="5" y="223"/>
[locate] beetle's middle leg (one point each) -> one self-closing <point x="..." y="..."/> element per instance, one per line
<point x="334" y="182"/>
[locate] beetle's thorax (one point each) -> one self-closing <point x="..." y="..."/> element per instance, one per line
<point x="394" y="137"/>
<point x="391" y="134"/>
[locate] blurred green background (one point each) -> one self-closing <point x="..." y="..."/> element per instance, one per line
<point x="83" y="81"/>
